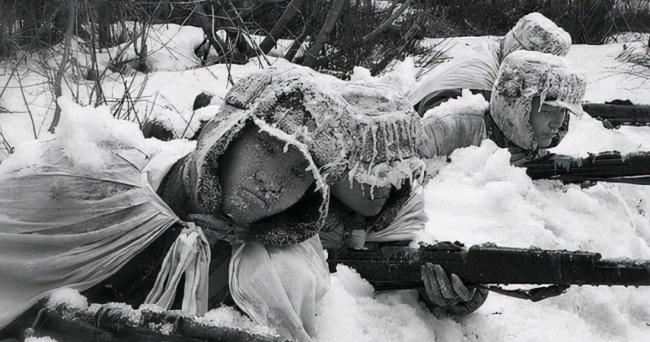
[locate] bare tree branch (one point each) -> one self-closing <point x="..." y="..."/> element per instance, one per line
<point x="386" y="24"/>
<point x="29" y="111"/>
<point x="330" y="21"/>
<point x="72" y="9"/>
<point x="271" y="39"/>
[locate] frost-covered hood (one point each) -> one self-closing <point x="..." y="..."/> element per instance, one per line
<point x="535" y="32"/>
<point x="344" y="129"/>
<point x="523" y="76"/>
<point x="383" y="134"/>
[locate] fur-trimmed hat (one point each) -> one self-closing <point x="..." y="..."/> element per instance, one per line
<point x="345" y="130"/>
<point x="524" y="75"/>
<point x="535" y="32"/>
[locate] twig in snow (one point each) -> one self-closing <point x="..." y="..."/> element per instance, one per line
<point x="94" y="67"/>
<point x="13" y="71"/>
<point x="5" y="143"/>
<point x="72" y="9"/>
<point x="29" y="111"/>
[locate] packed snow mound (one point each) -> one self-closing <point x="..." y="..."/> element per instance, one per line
<point x="86" y="136"/>
<point x="80" y="132"/>
<point x="400" y="75"/>
<point x="467" y="103"/>
<point x="588" y="135"/>
<point x="350" y="312"/>
<point x="479" y="197"/>
<point x="169" y="47"/>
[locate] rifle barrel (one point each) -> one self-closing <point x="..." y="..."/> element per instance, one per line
<point x="609" y="166"/>
<point x="394" y="268"/>
<point x="619" y="114"/>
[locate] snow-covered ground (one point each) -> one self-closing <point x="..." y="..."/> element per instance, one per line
<point x="476" y="198"/>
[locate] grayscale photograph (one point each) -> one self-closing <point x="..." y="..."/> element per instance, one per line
<point x="324" y="170"/>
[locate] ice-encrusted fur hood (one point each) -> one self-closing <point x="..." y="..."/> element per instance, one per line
<point x="345" y="130"/>
<point x="524" y="75"/>
<point x="532" y="32"/>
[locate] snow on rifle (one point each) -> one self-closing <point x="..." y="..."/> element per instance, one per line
<point x="118" y="322"/>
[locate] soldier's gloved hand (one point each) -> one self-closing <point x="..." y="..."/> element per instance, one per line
<point x="446" y="294"/>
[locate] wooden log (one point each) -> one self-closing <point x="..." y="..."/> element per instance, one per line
<point x="617" y="114"/>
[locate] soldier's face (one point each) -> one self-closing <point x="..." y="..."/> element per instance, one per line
<point x="546" y="122"/>
<point x="259" y="179"/>
<point x="360" y="197"/>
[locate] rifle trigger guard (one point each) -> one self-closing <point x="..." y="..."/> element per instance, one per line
<point x="533" y="295"/>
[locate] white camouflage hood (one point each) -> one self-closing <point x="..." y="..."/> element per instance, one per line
<point x="535" y="32"/>
<point x="345" y="130"/>
<point x="523" y="76"/>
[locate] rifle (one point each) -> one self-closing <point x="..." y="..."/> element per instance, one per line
<point x="392" y="267"/>
<point x="633" y="168"/>
<point x="619" y="114"/>
<point x="118" y="322"/>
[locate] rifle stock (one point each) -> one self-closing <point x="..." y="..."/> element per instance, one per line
<point x="397" y="267"/>
<point x="611" y="166"/>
